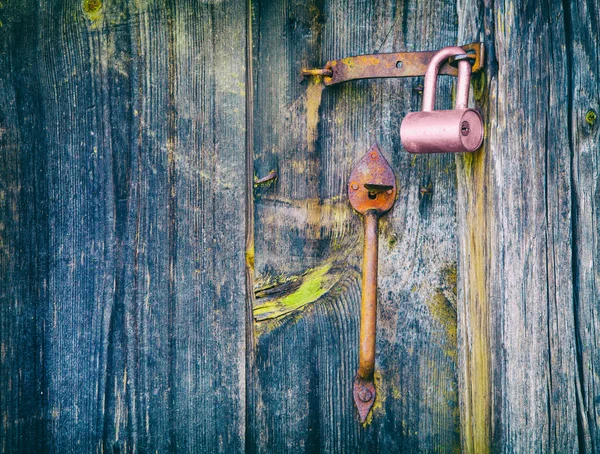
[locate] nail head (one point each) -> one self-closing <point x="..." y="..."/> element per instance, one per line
<point x="365" y="395"/>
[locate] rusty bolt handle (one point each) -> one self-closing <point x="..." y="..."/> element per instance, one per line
<point x="368" y="305"/>
<point x="364" y="386"/>
<point x="372" y="192"/>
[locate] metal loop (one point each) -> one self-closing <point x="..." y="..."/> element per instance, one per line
<point x="317" y="72"/>
<point x="464" y="76"/>
<point x="453" y="61"/>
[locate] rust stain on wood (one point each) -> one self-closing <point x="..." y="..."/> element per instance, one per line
<point x="314" y="93"/>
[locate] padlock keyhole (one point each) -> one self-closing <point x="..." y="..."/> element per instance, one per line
<point x="464" y="128"/>
<point x="372" y="195"/>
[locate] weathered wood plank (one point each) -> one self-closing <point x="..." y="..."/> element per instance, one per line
<point x="124" y="176"/>
<point x="474" y="235"/>
<point x="520" y="263"/>
<point x="309" y="241"/>
<point x="80" y="253"/>
<point x="583" y="38"/>
<point x="22" y="183"/>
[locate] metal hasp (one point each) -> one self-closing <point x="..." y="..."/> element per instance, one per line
<point x="398" y="64"/>
<point x="458" y="130"/>
<point x="372" y="192"/>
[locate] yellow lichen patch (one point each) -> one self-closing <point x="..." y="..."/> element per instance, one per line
<point x="479" y="86"/>
<point x="314" y="93"/>
<point x="468" y="163"/>
<point x="445" y="312"/>
<point x="479" y="313"/>
<point x="250" y="257"/>
<point x="92" y="9"/>
<point x="312" y="285"/>
<point x="449" y="274"/>
<point x="476" y="420"/>
<point x="442" y="306"/>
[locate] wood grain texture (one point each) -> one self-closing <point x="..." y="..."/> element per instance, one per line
<point x="123" y="234"/>
<point x="151" y="300"/>
<point x="308" y="241"/>
<point x="583" y="48"/>
<point x="527" y="297"/>
<point x="21" y="167"/>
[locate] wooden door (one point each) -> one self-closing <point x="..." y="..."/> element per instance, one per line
<point x="154" y="298"/>
<point x="308" y="239"/>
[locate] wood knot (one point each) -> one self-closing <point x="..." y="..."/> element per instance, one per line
<point x="591" y="117"/>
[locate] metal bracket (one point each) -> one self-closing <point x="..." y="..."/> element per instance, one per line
<point x="399" y="64"/>
<point x="372" y="184"/>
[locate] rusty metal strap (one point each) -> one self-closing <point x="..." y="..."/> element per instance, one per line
<point x="399" y="64"/>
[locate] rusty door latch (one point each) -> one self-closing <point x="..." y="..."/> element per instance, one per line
<point x="372" y="192"/>
<point x="372" y="186"/>
<point x="397" y="64"/>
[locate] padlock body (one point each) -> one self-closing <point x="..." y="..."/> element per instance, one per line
<point x="442" y="131"/>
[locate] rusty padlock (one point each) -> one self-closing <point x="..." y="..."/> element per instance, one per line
<point x="444" y="131"/>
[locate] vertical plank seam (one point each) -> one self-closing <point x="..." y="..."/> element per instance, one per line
<point x="42" y="241"/>
<point x="550" y="254"/>
<point x="171" y="221"/>
<point x="249" y="252"/>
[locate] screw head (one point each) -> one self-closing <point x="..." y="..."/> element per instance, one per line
<point x="373" y="155"/>
<point x="365" y="395"/>
<point x="464" y="128"/>
<point x="389" y="191"/>
<point x="354" y="186"/>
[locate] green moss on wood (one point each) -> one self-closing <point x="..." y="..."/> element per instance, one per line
<point x="314" y="93"/>
<point x="313" y="285"/>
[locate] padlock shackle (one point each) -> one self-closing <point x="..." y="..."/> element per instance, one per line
<point x="464" y="78"/>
